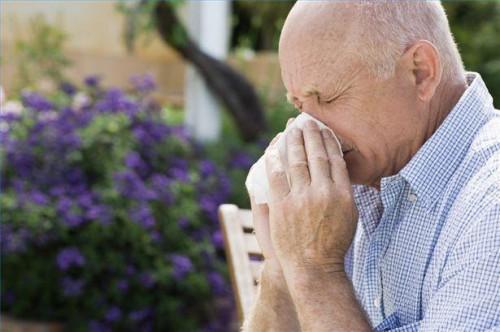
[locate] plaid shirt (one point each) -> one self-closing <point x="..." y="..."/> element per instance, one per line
<point x="426" y="255"/>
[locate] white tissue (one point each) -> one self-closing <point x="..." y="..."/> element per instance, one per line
<point x="256" y="182"/>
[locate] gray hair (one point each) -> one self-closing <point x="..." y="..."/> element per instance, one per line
<point x="390" y="26"/>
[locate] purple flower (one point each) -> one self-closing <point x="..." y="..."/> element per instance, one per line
<point x="161" y="185"/>
<point x="67" y="88"/>
<point x="134" y="161"/>
<point x="225" y="186"/>
<point x="58" y="191"/>
<point x="70" y="257"/>
<point x="155" y="236"/>
<point x="36" y="101"/>
<point x="64" y="204"/>
<point x="71" y="287"/>
<point x="207" y="168"/>
<point x="218" y="239"/>
<point x="217" y="283"/>
<point x="182" y="265"/>
<point x="208" y="203"/>
<point x="180" y="174"/>
<point x="143" y="83"/>
<point x="140" y="315"/>
<point x="38" y="198"/>
<point x="92" y="81"/>
<point x="85" y="200"/>
<point x="98" y="212"/>
<point x="148" y="132"/>
<point x="143" y="216"/>
<point x="73" y="219"/>
<point x="130" y="270"/>
<point x="113" y="314"/>
<point x="122" y="285"/>
<point x="116" y="101"/>
<point x="146" y="280"/>
<point x="183" y="223"/>
<point x="131" y="185"/>
<point x="181" y="133"/>
<point x="241" y="160"/>
<point x="160" y="182"/>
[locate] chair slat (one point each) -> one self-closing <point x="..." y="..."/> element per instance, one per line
<point x="246" y="219"/>
<point x="251" y="244"/>
<point x="238" y="259"/>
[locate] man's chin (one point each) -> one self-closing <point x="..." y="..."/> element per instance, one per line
<point x="360" y="175"/>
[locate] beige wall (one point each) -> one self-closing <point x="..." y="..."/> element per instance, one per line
<point x="94" y="27"/>
<point x="95" y="46"/>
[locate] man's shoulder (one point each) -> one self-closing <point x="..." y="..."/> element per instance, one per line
<point x="487" y="139"/>
<point x="472" y="202"/>
<point x="478" y="176"/>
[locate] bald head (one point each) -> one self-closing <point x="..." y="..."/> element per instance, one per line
<point x="382" y="74"/>
<point x="373" y="32"/>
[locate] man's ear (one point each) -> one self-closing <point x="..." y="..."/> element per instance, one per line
<point x="421" y="61"/>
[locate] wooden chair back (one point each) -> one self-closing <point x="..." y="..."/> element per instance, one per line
<point x="243" y="254"/>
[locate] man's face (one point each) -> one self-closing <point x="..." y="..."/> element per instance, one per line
<point x="376" y="120"/>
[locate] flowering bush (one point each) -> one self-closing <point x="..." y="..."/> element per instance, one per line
<point x="109" y="214"/>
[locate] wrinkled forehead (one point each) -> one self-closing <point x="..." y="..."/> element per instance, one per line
<point x="314" y="47"/>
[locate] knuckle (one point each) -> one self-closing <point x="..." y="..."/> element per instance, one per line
<point x="296" y="148"/>
<point x="319" y="158"/>
<point x="297" y="163"/>
<point x="277" y="174"/>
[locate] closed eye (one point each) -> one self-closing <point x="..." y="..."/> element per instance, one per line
<point x="331" y="100"/>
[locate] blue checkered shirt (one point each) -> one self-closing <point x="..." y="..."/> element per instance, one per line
<point x="426" y="254"/>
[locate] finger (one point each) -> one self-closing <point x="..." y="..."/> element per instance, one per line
<point x="259" y="211"/>
<point x="275" y="139"/>
<point x="276" y="176"/>
<point x="338" y="167"/>
<point x="260" y="216"/>
<point x="297" y="160"/>
<point x="317" y="158"/>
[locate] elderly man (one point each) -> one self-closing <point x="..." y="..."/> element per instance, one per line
<point x="402" y="233"/>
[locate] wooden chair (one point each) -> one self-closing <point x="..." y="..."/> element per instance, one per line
<point x="243" y="254"/>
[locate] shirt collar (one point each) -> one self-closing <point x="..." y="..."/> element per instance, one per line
<point x="435" y="162"/>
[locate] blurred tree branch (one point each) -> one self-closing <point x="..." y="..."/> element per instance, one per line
<point x="228" y="85"/>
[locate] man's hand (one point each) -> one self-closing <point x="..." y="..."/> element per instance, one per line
<point x="312" y="220"/>
<point x="273" y="309"/>
<point x="304" y="233"/>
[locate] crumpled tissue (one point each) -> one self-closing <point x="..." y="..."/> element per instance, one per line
<point x="256" y="182"/>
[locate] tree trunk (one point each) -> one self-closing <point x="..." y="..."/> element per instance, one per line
<point x="233" y="90"/>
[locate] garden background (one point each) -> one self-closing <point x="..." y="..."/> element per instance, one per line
<point x="109" y="203"/>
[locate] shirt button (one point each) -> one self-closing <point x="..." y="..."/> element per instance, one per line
<point x="412" y="197"/>
<point x="376" y="302"/>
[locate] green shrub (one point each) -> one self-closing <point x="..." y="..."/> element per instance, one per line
<point x="109" y="215"/>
